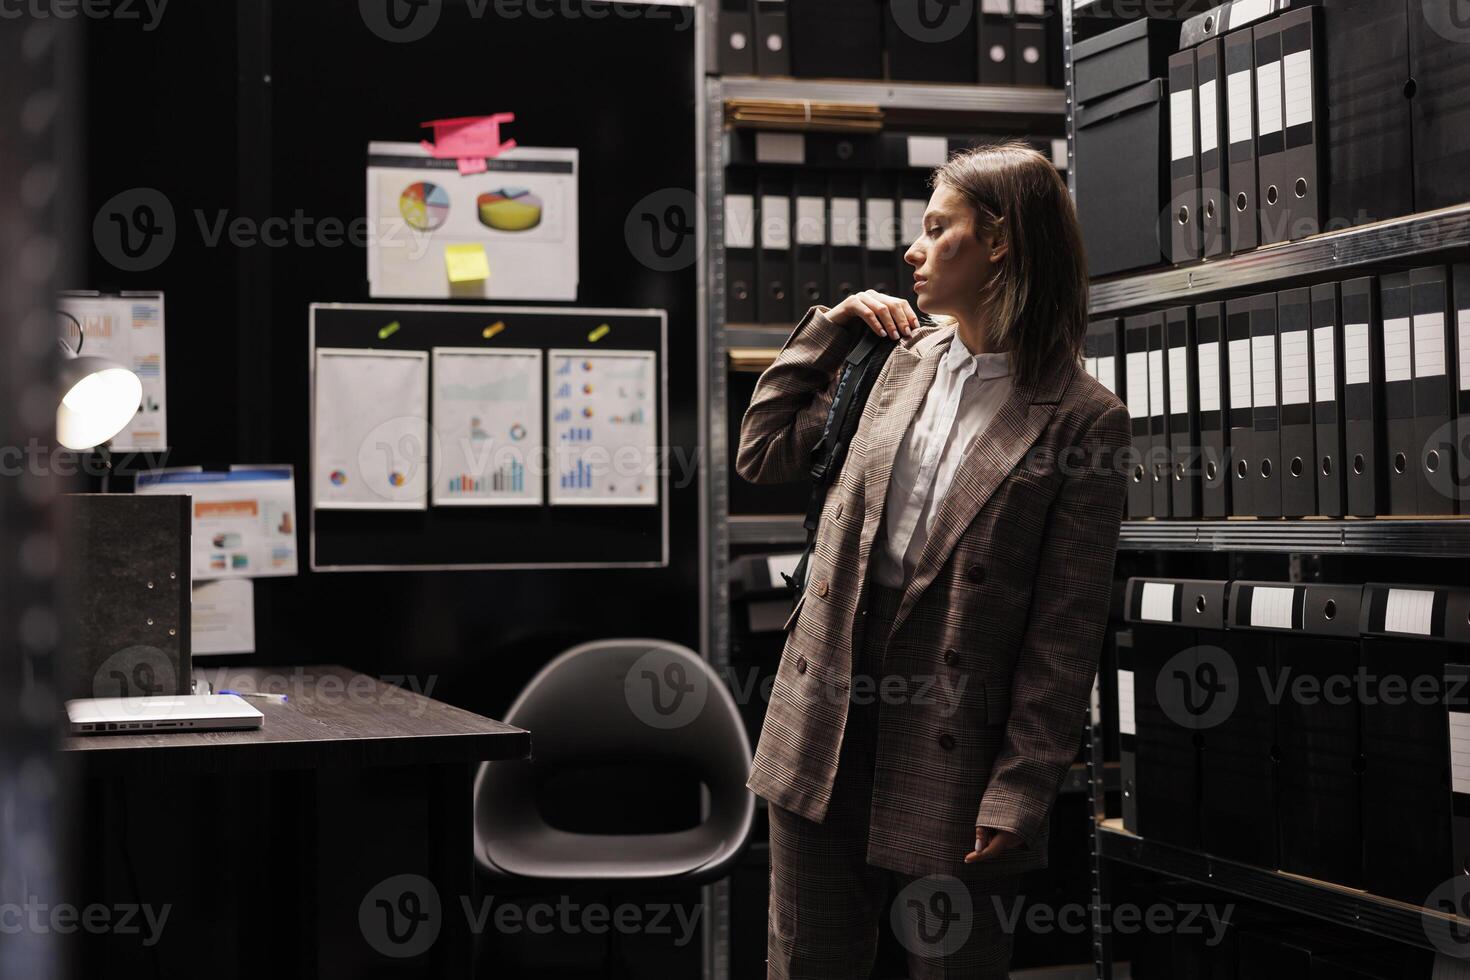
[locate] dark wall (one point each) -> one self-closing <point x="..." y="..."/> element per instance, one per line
<point x="262" y="110"/>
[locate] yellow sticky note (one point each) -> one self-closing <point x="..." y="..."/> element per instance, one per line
<point x="466" y="263"/>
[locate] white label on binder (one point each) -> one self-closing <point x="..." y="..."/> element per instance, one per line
<point x="1209" y="376"/>
<point x="1247" y="11"/>
<point x="1181" y="123"/>
<point x="1031" y="8"/>
<point x="928" y="151"/>
<point x="1271" y="606"/>
<point x="1294" y="374"/>
<point x="1263" y="370"/>
<point x="1209" y="116"/>
<point x="1059" y="154"/>
<point x="1298" y="88"/>
<point x="1409" y="611"/>
<point x="1107" y="372"/>
<point x="1429" y="358"/>
<point x="1158" y="602"/>
<point x="1242" y="119"/>
<point x="780" y="148"/>
<point x="776" y="564"/>
<point x="1137" y="384"/>
<point x="911" y="219"/>
<point x="1396" y="350"/>
<point x="1268" y="98"/>
<point x="1127" y="725"/>
<point x="882" y="231"/>
<point x="1322" y="356"/>
<point x="1355" y="354"/>
<point x="1178" y="380"/>
<point x="1464" y="348"/>
<point x="1091" y="364"/>
<point x="994" y="6"/>
<point x="1459" y="749"/>
<point x="1156" y="382"/>
<point x="846" y="222"/>
<point x="811" y="220"/>
<point x="739" y="221"/>
<point x="1240" y="373"/>
<point x="775" y="221"/>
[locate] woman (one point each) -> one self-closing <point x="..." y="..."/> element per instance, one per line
<point x="938" y="666"/>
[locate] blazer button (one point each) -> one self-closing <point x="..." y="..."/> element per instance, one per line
<point x="820" y="586"/>
<point x="950" y="656"/>
<point x="946" y="741"/>
<point x="801" y="665"/>
<point x="976" y="572"/>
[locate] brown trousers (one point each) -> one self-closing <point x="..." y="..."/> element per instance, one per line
<point x="826" y="900"/>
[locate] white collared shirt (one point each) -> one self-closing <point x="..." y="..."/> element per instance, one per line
<point x="967" y="391"/>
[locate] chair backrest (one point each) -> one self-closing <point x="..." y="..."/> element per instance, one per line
<point x="620" y="701"/>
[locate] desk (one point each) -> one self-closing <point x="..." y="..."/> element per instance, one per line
<point x="266" y="844"/>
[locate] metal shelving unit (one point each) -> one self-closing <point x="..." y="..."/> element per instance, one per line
<point x="930" y="97"/>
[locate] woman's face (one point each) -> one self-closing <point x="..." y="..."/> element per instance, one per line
<point x="951" y="263"/>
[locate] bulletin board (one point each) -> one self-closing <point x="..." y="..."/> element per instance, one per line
<point x="569" y="523"/>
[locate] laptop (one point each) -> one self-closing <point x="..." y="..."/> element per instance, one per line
<point x="166" y="713"/>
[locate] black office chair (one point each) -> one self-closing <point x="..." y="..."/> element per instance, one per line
<point x="623" y="701"/>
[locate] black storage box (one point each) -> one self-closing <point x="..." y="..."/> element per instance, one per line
<point x="1135" y="53"/>
<point x="836" y="38"/>
<point x="1123" y="180"/>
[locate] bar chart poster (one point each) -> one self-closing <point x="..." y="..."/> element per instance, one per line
<point x="603" y="444"/>
<point x="487" y="415"/>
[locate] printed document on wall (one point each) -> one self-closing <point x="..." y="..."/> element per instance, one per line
<point x="509" y="232"/>
<point x="371" y="439"/>
<point x="487" y="425"/>
<point x="244" y="518"/>
<point x="222" y="618"/>
<point x="603" y="447"/>
<point x="128" y="330"/>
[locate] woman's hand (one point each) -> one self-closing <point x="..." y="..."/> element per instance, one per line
<point x="990" y="842"/>
<point x="886" y="316"/>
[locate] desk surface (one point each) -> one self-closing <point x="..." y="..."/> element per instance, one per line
<point x="334" y="717"/>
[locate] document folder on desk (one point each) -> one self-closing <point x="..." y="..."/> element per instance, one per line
<point x="1435" y="478"/>
<point x="1398" y="393"/>
<point x="1266" y="407"/>
<point x="1184" y="160"/>
<point x="1240" y="95"/>
<point x="1135" y="376"/>
<point x="1238" y="370"/>
<point x="1183" y="474"/>
<point x="1214" y="149"/>
<point x="1214" y="413"/>
<point x="1271" y="192"/>
<point x="1298" y="454"/>
<point x="1362" y="398"/>
<point x="1327" y="405"/>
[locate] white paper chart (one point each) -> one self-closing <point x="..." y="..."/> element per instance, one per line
<point x="371" y="437"/>
<point x="127" y="329"/>
<point x="244" y="518"/>
<point x="487" y="423"/>
<point x="602" y="447"/>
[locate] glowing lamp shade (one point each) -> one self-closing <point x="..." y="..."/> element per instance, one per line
<point x="101" y="398"/>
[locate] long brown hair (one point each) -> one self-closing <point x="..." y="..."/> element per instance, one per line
<point x="1035" y="306"/>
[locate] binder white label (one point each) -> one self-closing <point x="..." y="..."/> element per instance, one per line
<point x="780" y="148"/>
<point x="1107" y="372"/>
<point x="1294" y="374"/>
<point x="928" y="151"/>
<point x="882" y="230"/>
<point x="1409" y="611"/>
<point x="1178" y="380"/>
<point x="1240" y="373"/>
<point x="1156" y="382"/>
<point x="911" y="219"/>
<point x="1396" y="350"/>
<point x="995" y="6"/>
<point x="1429" y="360"/>
<point x="1209" y="376"/>
<point x="1031" y="8"/>
<point x="1209" y="116"/>
<point x="776" y="564"/>
<point x="1459" y="750"/>
<point x="1127" y="724"/>
<point x="811" y="220"/>
<point x="1322" y="356"/>
<point x="1463" y="334"/>
<point x="1242" y="118"/>
<point x="846" y="222"/>
<point x="739" y="221"/>
<point x="1271" y="606"/>
<point x="1158" y="602"/>
<point x="1246" y="11"/>
<point x="1298" y="88"/>
<point x="1181" y="123"/>
<point x="1137" y="384"/>
<point x="775" y="221"/>
<point x="1268" y="98"/>
<point x="1355" y="354"/>
<point x="1263" y="370"/>
<point x="1059" y="154"/>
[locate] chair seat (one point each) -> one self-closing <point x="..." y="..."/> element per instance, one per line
<point x="544" y="852"/>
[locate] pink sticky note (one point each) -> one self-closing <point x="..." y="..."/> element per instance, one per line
<point x="469" y="136"/>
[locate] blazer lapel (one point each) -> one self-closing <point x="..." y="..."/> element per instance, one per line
<point x="988" y="460"/>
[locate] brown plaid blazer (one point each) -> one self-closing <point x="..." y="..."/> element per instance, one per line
<point x="989" y="664"/>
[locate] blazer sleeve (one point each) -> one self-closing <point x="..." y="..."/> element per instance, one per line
<point x="1052" y="682"/>
<point x="791" y="401"/>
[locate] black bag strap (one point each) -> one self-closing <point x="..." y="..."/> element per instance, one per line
<point x="859" y="371"/>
